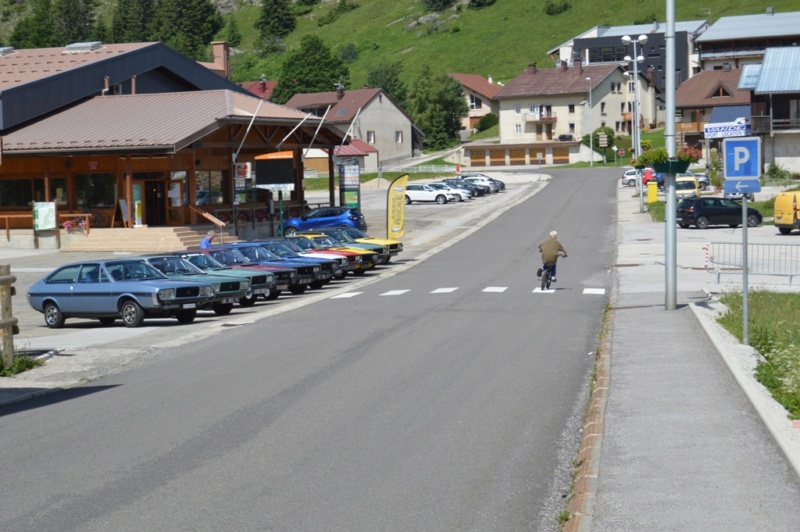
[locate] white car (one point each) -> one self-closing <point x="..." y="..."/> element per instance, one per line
<point x="416" y="192"/>
<point x="482" y="180"/>
<point x="461" y="194"/>
<point x="629" y="177"/>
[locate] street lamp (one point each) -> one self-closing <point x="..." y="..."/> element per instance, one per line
<point x="591" y="135"/>
<point x="626" y="40"/>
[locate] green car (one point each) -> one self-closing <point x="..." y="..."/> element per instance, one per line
<point x="227" y="290"/>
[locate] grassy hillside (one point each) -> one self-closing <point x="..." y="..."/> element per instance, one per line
<point x="498" y="41"/>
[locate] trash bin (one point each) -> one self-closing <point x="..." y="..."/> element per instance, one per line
<point x="652" y="191"/>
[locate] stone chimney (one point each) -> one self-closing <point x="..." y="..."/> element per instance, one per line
<point x="531" y="68"/>
<point x="339" y="91"/>
<point x="563" y="66"/>
<point x="578" y="64"/>
<point x="221" y="53"/>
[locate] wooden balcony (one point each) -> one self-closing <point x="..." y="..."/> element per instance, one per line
<point x="690" y="127"/>
<point x="761" y="124"/>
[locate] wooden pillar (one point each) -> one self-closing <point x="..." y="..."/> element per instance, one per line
<point x="129" y="189"/>
<point x="331" y="175"/>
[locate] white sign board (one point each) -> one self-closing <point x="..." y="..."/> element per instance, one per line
<point x="44" y="215"/>
<point x="281" y="187"/>
<point x="738" y="128"/>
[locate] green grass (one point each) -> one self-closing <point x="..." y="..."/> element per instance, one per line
<point x="21" y="363"/>
<point x="492" y="132"/>
<point x="773" y="331"/>
<point x="510" y="34"/>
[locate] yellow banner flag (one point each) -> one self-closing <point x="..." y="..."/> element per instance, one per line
<point x="396" y="208"/>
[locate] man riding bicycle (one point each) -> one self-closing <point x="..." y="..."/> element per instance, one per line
<point x="550" y="250"/>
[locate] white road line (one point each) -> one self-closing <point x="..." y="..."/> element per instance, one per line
<point x="394" y="292"/>
<point x="495" y="289"/>
<point x="444" y="290"/>
<point x="594" y="291"/>
<point x="540" y="291"/>
<point x="346" y="295"/>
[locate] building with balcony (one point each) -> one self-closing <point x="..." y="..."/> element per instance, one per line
<point x="480" y="96"/>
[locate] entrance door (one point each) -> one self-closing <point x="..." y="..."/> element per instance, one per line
<point x="175" y="200"/>
<point x="153" y="200"/>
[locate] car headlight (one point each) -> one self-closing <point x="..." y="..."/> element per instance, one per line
<point x="245" y="285"/>
<point x="216" y="287"/>
<point x="316" y="269"/>
<point x="293" y="275"/>
<point x="207" y="291"/>
<point x="270" y="278"/>
<point x="384" y="251"/>
<point x="359" y="258"/>
<point x="166" y="294"/>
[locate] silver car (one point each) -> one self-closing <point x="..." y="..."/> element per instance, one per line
<point x="461" y="194"/>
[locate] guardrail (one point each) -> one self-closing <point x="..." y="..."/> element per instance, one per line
<point x="762" y="259"/>
<point x="424" y="168"/>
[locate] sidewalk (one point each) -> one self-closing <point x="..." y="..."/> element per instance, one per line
<point x="681" y="436"/>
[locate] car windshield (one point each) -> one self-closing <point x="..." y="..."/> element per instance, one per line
<point x="133" y="269"/>
<point x="174" y="266"/>
<point x="355" y="233"/>
<point x="685" y="185"/>
<point x="280" y="249"/>
<point x="203" y="261"/>
<point x="257" y="253"/>
<point x="229" y="256"/>
<point x="304" y="243"/>
<point x="326" y="242"/>
<point x="341" y="236"/>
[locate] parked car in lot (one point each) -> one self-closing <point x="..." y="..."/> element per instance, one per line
<point x="346" y="240"/>
<point x="461" y="194"/>
<point x="629" y="176"/>
<point x="232" y="258"/>
<point x="477" y="190"/>
<point x="687" y="187"/>
<point x="786" y="216"/>
<point x="108" y="290"/>
<point x="291" y="242"/>
<point x="482" y="179"/>
<point x="395" y="246"/>
<point x="702" y="179"/>
<point x="418" y="192"/>
<point x="306" y="273"/>
<point x="261" y="283"/>
<point x="325" y="217"/>
<point x="227" y="290"/>
<point x="329" y="267"/>
<point x="361" y="259"/>
<point x="703" y="212"/>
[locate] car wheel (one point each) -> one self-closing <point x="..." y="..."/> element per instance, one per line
<point x="733" y="226"/>
<point x="359" y="273"/>
<point x="222" y="309"/>
<point x="289" y="231"/>
<point x="273" y="295"/>
<point x="316" y="285"/>
<point x="107" y="321"/>
<point x="408" y="200"/>
<point x="53" y="317"/>
<point x="702" y="222"/>
<point x="441" y="200"/>
<point x="132" y="313"/>
<point x="684" y="225"/>
<point x="753" y="220"/>
<point x="186" y="316"/>
<point x="247" y="300"/>
<point x="298" y="289"/>
<point x="784" y="230"/>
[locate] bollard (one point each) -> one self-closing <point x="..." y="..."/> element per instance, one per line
<point x="652" y="191"/>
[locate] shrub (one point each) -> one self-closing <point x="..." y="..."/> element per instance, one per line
<point x="480" y="4"/>
<point x="553" y="8"/>
<point x="437" y="5"/>
<point x="486" y="121"/>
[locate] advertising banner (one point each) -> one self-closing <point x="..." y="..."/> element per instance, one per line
<point x="395" y="207"/>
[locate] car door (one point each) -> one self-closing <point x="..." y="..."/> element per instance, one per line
<point x="732" y="212"/>
<point x="93" y="292"/>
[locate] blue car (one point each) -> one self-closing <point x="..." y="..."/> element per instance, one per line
<point x="256" y="254"/>
<point x="107" y="290"/>
<point x="325" y="217"/>
<point x="329" y="268"/>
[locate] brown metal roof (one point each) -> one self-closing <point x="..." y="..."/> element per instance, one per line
<point x="26" y="65"/>
<point x="355" y="148"/>
<point x="554" y="81"/>
<point x="711" y="88"/>
<point x="262" y="89"/>
<point x="165" y="122"/>
<point x="342" y="111"/>
<point x="478" y="84"/>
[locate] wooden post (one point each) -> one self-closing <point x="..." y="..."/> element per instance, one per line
<point x="8" y="321"/>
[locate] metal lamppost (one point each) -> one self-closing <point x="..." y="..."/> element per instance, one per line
<point x="591" y="135"/>
<point x="626" y="40"/>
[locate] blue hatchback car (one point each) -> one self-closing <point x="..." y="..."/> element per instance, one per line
<point x="325" y="217"/>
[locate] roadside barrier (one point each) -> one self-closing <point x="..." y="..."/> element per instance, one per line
<point x="762" y="259"/>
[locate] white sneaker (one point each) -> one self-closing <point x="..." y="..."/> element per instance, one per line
<point x="553" y="280"/>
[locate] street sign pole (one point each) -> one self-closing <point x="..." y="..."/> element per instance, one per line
<point x="745" y="270"/>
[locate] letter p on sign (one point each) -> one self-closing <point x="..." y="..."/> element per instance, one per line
<point x="742" y="157"/>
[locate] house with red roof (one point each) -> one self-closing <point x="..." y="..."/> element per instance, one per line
<point x="369" y="115"/>
<point x="480" y="95"/>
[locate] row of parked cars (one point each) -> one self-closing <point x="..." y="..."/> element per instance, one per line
<point x="179" y="284"/>
<point x="457" y="189"/>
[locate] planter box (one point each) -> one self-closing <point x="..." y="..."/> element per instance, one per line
<point x="671" y="167"/>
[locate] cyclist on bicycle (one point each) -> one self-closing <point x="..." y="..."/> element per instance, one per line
<point x="550" y="250"/>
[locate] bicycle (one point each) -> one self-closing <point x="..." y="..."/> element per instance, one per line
<point x="98" y="219"/>
<point x="547" y="274"/>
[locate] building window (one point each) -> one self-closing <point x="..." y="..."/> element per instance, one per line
<point x="95" y="190"/>
<point x="370" y="137"/>
<point x="517" y="110"/>
<point x="571" y="129"/>
<point x="209" y="189"/>
<point x="533" y="109"/>
<point x="518" y="129"/>
<point x="398" y="137"/>
<point x="622" y="107"/>
<point x="572" y="108"/>
<point x="602" y="107"/>
<point x="632" y="87"/>
<point x="475" y="103"/>
<point x="602" y="124"/>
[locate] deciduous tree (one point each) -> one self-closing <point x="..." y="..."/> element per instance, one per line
<point x="388" y="76"/>
<point x="312" y="68"/>
<point x="437" y="105"/>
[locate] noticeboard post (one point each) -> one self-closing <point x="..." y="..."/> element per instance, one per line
<point x="350" y="185"/>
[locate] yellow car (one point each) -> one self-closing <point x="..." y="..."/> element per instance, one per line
<point x="319" y="241"/>
<point x="395" y="246"/>
<point x="340" y="235"/>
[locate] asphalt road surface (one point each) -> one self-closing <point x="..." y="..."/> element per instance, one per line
<point x="446" y="397"/>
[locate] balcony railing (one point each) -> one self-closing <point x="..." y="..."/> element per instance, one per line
<point x="690" y="127"/>
<point x="540" y="117"/>
<point x="760" y="124"/>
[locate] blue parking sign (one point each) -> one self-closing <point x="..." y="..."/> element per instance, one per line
<point x="742" y="158"/>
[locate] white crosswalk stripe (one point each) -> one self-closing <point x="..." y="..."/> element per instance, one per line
<point x="394" y="292"/>
<point x="594" y="291"/>
<point x="490" y="289"/>
<point x="444" y="290"/>
<point x="540" y="291"/>
<point x="497" y="289"/>
<point x="346" y="295"/>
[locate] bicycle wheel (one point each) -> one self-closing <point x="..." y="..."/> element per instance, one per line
<point x="545" y="279"/>
<point x="100" y="219"/>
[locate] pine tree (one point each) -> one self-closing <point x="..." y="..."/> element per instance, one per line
<point x="132" y="20"/>
<point x="72" y="21"/>
<point x="276" y="20"/>
<point x="312" y="68"/>
<point x="36" y="29"/>
<point x="232" y="33"/>
<point x="188" y="26"/>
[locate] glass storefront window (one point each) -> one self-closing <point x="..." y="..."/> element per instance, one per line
<point x="16" y="193"/>
<point x="58" y="190"/>
<point x="95" y="190"/>
<point x="209" y="187"/>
